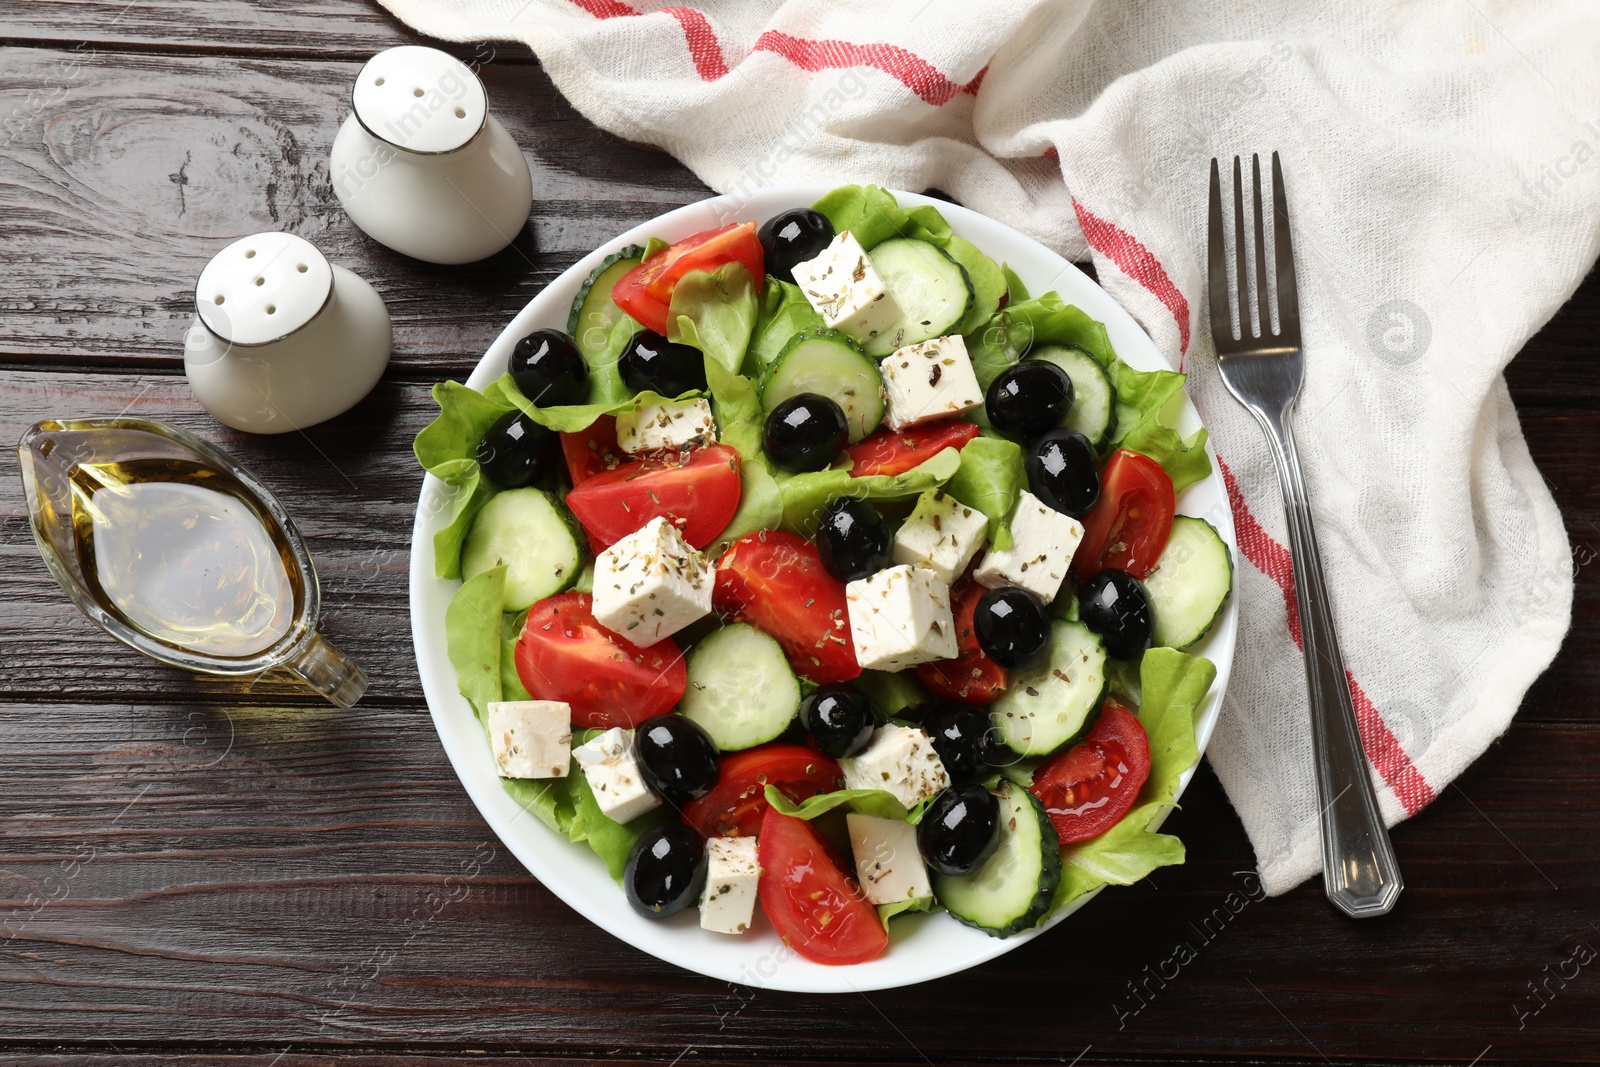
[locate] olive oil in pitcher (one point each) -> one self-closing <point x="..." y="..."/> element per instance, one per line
<point x="178" y="551"/>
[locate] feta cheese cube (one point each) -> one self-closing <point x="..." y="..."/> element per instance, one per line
<point x="900" y="759"/>
<point x="942" y="534"/>
<point x="530" y="738"/>
<point x="1042" y="543"/>
<point x="900" y="617"/>
<point x="651" y="584"/>
<point x="845" y="289"/>
<point x="927" y="381"/>
<point x="888" y="863"/>
<point x="728" y="902"/>
<point x="671" y="426"/>
<point x="609" y="763"/>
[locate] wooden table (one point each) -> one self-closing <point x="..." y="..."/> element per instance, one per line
<point x="197" y="873"/>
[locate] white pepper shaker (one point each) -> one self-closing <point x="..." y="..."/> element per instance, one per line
<point x="420" y="164"/>
<point x="282" y="339"/>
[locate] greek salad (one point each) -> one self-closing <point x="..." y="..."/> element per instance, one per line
<point x="813" y="566"/>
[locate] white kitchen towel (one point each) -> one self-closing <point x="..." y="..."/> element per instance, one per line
<point x="1442" y="162"/>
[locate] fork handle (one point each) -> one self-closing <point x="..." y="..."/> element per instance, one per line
<point x="1360" y="873"/>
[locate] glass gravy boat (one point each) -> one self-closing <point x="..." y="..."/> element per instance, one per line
<point x="178" y="551"/>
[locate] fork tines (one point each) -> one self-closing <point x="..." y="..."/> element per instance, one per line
<point x="1252" y="332"/>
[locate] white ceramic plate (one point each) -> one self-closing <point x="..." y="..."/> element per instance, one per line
<point x="923" y="946"/>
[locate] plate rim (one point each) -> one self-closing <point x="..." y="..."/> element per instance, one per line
<point x="568" y="871"/>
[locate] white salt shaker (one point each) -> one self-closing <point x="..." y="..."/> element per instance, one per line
<point x="282" y="339"/>
<point x="422" y="166"/>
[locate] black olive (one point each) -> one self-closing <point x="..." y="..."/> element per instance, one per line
<point x="964" y="737"/>
<point x="960" y="829"/>
<point x="549" y="369"/>
<point x="839" y="718"/>
<point x="677" y="758"/>
<point x="853" y="541"/>
<point x="1114" y="605"/>
<point x="516" y="451"/>
<point x="1012" y="627"/>
<point x="665" y="871"/>
<point x="650" y="361"/>
<point x="793" y="237"/>
<point x="805" y="432"/>
<point x="1063" y="473"/>
<point x="1027" y="399"/>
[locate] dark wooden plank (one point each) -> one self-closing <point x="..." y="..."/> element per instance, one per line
<point x="281" y="876"/>
<point x="126" y="173"/>
<point x="320" y="29"/>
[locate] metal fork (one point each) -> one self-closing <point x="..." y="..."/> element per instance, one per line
<point x="1263" y="371"/>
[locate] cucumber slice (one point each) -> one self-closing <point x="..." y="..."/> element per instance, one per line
<point x="1012" y="890"/>
<point x="1094" y="398"/>
<point x="741" y="690"/>
<point x="1190" y="583"/>
<point x="832" y="364"/>
<point x="933" y="291"/>
<point x="526" y="531"/>
<point x="594" y="313"/>
<point x="1045" y="708"/>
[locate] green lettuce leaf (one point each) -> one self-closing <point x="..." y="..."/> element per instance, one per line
<point x="988" y="282"/>
<point x="447" y="448"/>
<point x="1173" y="685"/>
<point x="472" y="625"/>
<point x="904" y="907"/>
<point x="1045" y="320"/>
<point x="550" y="800"/>
<point x="873" y="216"/>
<point x="990" y="479"/>
<point x="784" y="312"/>
<point x="1147" y="401"/>
<point x="465" y="415"/>
<point x="605" y="379"/>
<point x="571" y="418"/>
<point x="892" y="692"/>
<point x="876" y="802"/>
<point x="467" y="491"/>
<point x="1016" y="291"/>
<point x="511" y="687"/>
<point x="715" y="313"/>
<point x="805" y="495"/>
<point x="738" y="410"/>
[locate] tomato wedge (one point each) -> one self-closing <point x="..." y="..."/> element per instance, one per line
<point x="972" y="676"/>
<point x="697" y="490"/>
<point x="885" y="452"/>
<point x="816" y="908"/>
<point x="1087" y="789"/>
<point x="735" y="806"/>
<point x="564" y="654"/>
<point x="592" y="451"/>
<point x="1129" y="527"/>
<point x="775" y="582"/>
<point x="645" y="292"/>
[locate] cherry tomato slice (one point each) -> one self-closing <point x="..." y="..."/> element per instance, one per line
<point x="564" y="654"/>
<point x="775" y="582"/>
<point x="645" y="292"/>
<point x="816" y="908"/>
<point x="735" y="806"/>
<point x="1087" y="789"/>
<point x="698" y="491"/>
<point x="885" y="452"/>
<point x="593" y="451"/>
<point x="1129" y="527"/>
<point x="972" y="676"/>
